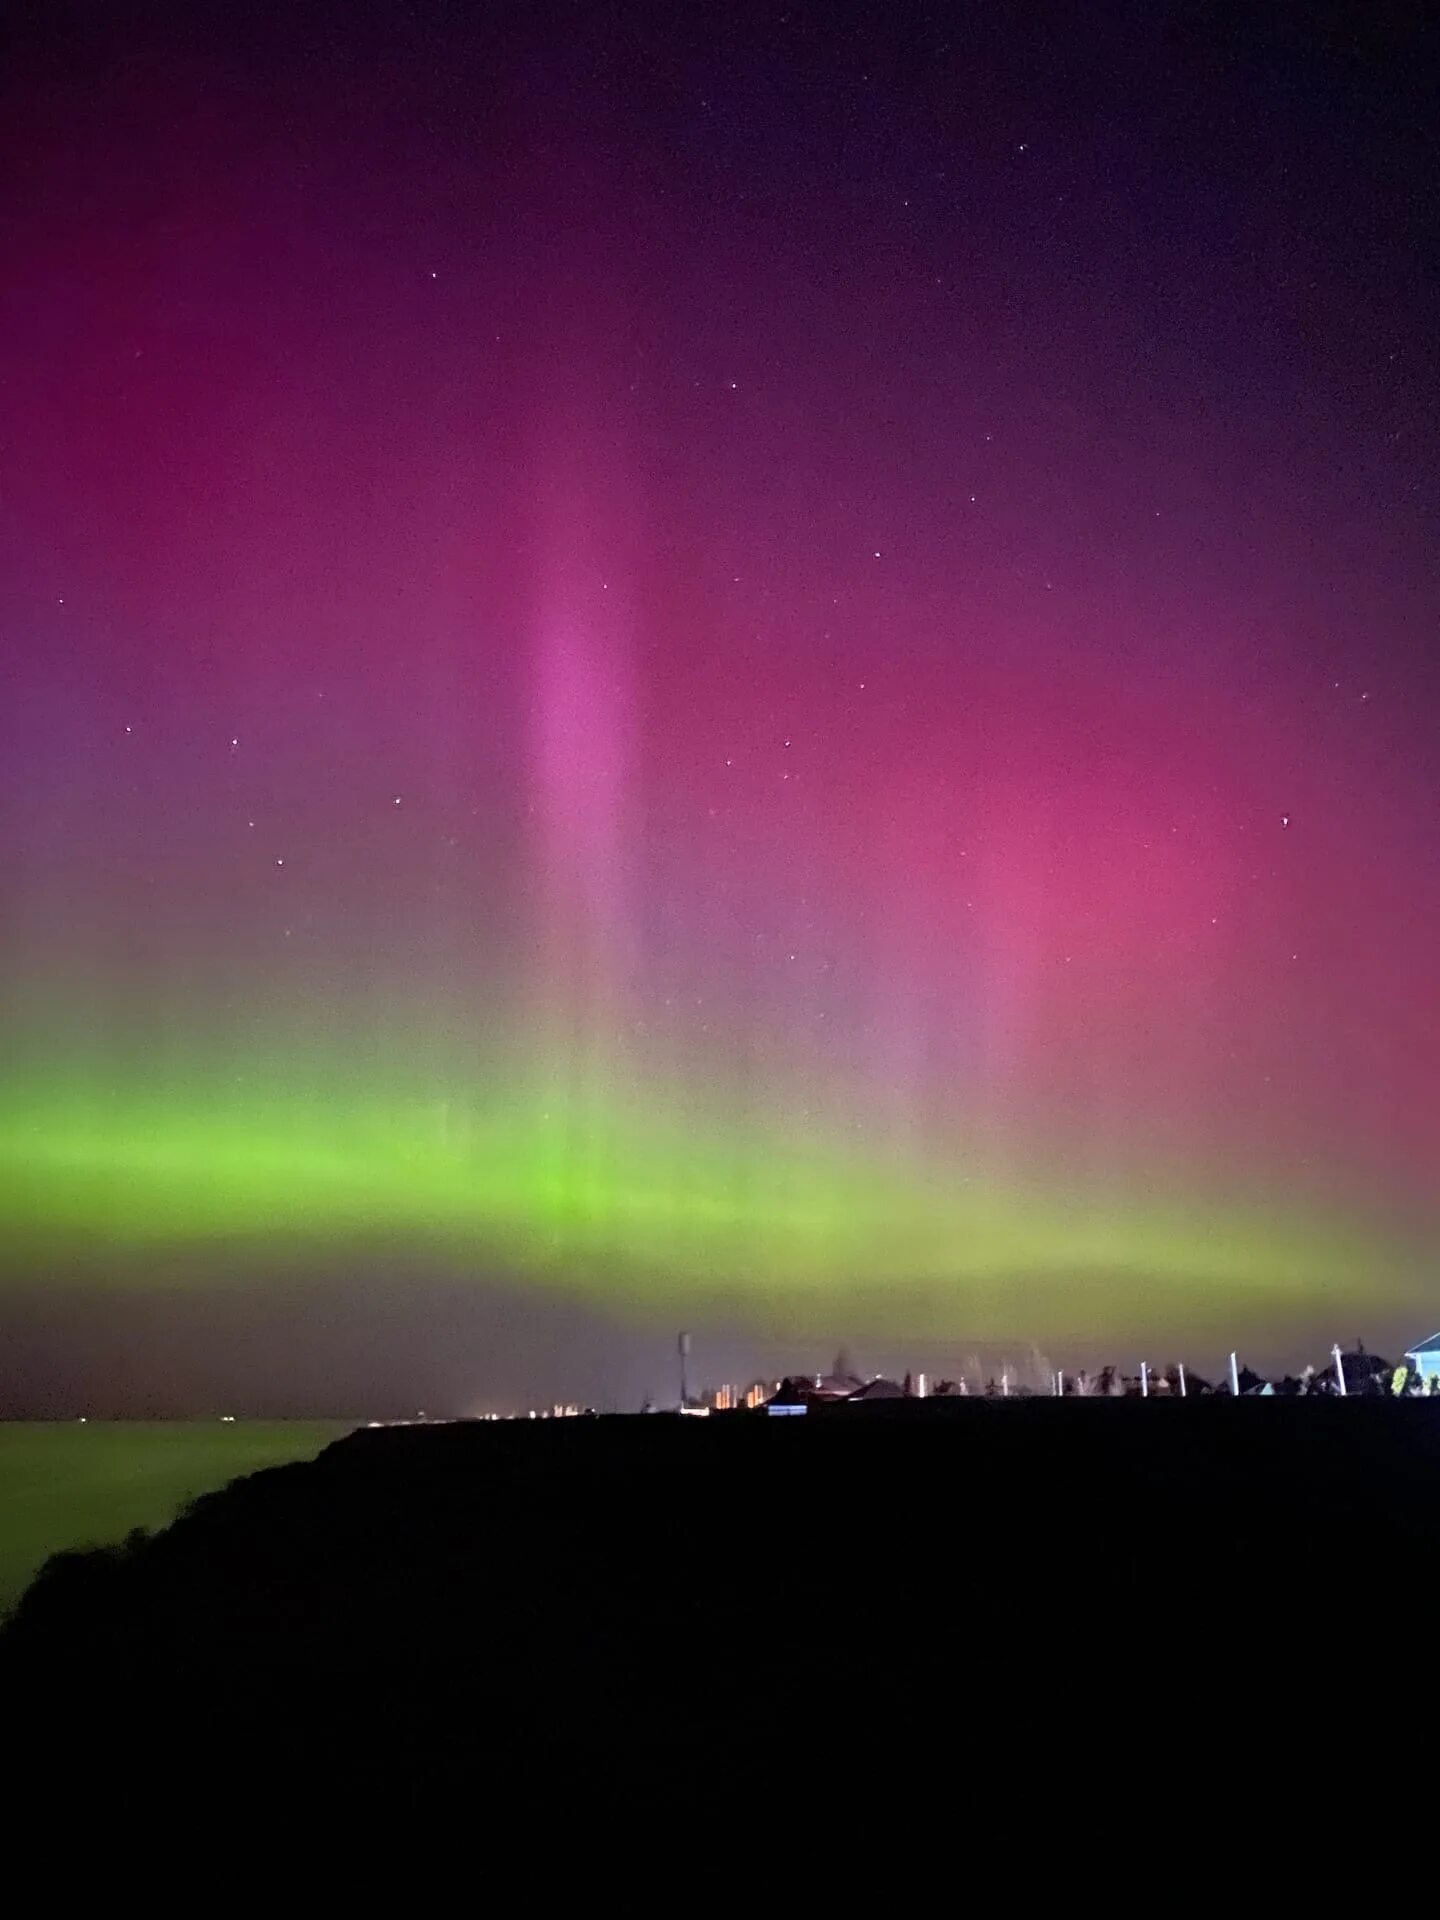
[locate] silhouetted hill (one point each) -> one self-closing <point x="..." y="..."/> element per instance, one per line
<point x="613" y="1593"/>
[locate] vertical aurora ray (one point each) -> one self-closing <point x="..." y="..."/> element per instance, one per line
<point x="582" y="825"/>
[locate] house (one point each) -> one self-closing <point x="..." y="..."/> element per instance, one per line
<point x="798" y="1390"/>
<point x="1426" y="1355"/>
<point x="839" y="1388"/>
<point x="879" y="1389"/>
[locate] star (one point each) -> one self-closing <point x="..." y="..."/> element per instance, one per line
<point x="279" y="863"/>
<point x="1284" y="819"/>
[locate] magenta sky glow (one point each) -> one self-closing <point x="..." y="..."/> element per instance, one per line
<point x="846" y="587"/>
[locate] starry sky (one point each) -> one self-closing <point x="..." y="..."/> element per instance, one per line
<point x="770" y="668"/>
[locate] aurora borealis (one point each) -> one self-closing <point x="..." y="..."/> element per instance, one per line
<point x="773" y="673"/>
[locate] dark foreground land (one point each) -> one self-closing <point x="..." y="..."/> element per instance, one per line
<point x="67" y="1483"/>
<point x="916" y="1585"/>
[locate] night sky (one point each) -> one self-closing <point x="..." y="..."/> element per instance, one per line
<point x="770" y="668"/>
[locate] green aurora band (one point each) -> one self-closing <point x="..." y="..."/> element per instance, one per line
<point x="642" y="1216"/>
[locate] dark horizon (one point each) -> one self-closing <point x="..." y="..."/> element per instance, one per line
<point x="157" y="1357"/>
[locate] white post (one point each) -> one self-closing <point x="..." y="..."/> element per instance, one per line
<point x="1005" y="1383"/>
<point x="1182" y="1379"/>
<point x="1060" y="1383"/>
<point x="1144" y="1381"/>
<point x="1339" y="1370"/>
<point x="1234" y="1377"/>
